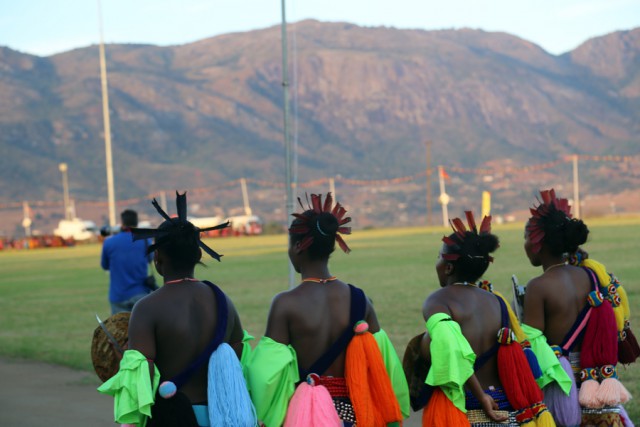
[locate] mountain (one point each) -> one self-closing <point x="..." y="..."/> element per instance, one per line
<point x="364" y="101"/>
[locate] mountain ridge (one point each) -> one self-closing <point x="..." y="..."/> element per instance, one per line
<point x="364" y="101"/>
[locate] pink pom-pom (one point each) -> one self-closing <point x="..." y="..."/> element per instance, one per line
<point x="587" y="396"/>
<point x="361" y="327"/>
<point x="609" y="392"/>
<point x="311" y="407"/>
<point x="167" y="389"/>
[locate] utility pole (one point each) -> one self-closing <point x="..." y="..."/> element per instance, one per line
<point x="576" y="187"/>
<point x="107" y="126"/>
<point x="428" y="146"/>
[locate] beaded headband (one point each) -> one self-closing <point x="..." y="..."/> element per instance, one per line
<point x="162" y="236"/>
<point x="460" y="233"/>
<point x="548" y="204"/>
<point x="304" y="223"/>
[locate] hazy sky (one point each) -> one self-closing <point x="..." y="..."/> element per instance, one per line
<point x="44" y="27"/>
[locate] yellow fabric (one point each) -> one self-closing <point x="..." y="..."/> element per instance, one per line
<point x="513" y="319"/>
<point x="603" y="277"/>
<point x="132" y="388"/>
<point x="452" y="358"/>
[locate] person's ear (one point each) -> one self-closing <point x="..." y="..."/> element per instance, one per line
<point x="297" y="249"/>
<point x="448" y="269"/>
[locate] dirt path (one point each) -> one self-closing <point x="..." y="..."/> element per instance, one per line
<point x="34" y="394"/>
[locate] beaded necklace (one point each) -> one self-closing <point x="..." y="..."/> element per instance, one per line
<point x="318" y="280"/>
<point x="184" y="279"/>
<point x="554" y="266"/>
<point x="464" y="284"/>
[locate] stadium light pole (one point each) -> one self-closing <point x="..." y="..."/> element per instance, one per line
<point x="107" y="125"/>
<point x="287" y="140"/>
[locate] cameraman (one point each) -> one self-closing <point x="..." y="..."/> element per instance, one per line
<point x="126" y="261"/>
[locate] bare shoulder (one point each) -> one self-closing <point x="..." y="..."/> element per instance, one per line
<point x="436" y="303"/>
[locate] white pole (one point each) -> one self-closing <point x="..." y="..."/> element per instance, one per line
<point x="65" y="190"/>
<point x="26" y="221"/>
<point x="163" y="200"/>
<point x="245" y="196"/>
<point x="576" y="187"/>
<point x="332" y="188"/>
<point x="287" y="140"/>
<point x="107" y="126"/>
<point x="444" y="198"/>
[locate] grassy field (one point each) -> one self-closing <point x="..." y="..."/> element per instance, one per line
<point x="48" y="297"/>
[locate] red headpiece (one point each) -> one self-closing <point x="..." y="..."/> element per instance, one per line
<point x="548" y="203"/>
<point x="304" y="223"/>
<point x="459" y="229"/>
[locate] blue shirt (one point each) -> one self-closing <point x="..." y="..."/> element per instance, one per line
<point x="127" y="263"/>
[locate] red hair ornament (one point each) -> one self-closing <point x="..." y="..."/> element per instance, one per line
<point x="548" y="203"/>
<point x="305" y="223"/>
<point x="460" y="233"/>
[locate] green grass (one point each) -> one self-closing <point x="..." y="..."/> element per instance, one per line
<point x="48" y="297"/>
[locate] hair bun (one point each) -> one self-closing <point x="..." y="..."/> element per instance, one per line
<point x="327" y="225"/>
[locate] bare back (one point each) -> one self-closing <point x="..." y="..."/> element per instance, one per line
<point x="311" y="317"/>
<point x="173" y="325"/>
<point x="478" y="314"/>
<point x="554" y="300"/>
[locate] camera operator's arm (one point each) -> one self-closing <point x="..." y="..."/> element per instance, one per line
<point x="104" y="258"/>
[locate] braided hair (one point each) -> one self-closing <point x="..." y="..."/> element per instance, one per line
<point x="468" y="250"/>
<point x="181" y="245"/>
<point x="553" y="226"/>
<point x="177" y="237"/>
<point x="318" y="228"/>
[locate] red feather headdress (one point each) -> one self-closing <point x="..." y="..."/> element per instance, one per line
<point x="548" y="203"/>
<point x="303" y="224"/>
<point x="460" y="233"/>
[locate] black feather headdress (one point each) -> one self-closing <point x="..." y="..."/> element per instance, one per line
<point x="177" y="224"/>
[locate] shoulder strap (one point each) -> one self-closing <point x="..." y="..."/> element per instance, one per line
<point x="484" y="357"/>
<point x="218" y="337"/>
<point x="576" y="332"/>
<point x="358" y="311"/>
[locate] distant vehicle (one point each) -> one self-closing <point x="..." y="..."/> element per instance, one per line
<point x="210" y="221"/>
<point x="241" y="225"/>
<point x="247" y="225"/>
<point x="76" y="229"/>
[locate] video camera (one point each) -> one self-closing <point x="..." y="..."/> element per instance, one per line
<point x="107" y="230"/>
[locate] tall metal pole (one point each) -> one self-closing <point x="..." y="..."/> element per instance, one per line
<point x="287" y="139"/>
<point x="65" y="190"/>
<point x="428" y="144"/>
<point x="444" y="198"/>
<point x="107" y="126"/>
<point x="576" y="187"/>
